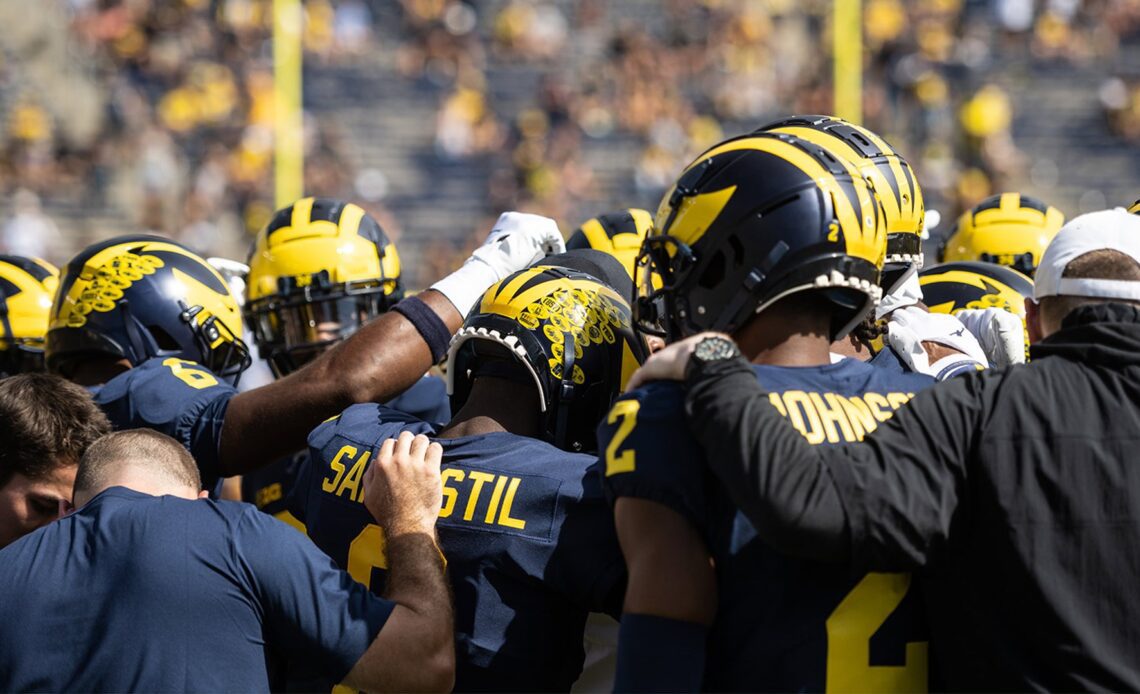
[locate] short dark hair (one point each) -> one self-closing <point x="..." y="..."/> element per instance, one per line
<point x="45" y="423"/>
<point x="1104" y="264"/>
<point x="158" y="452"/>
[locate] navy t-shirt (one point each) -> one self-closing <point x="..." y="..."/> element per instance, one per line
<point x="527" y="533"/>
<point x="783" y="624"/>
<point x="142" y="593"/>
<point x="179" y="398"/>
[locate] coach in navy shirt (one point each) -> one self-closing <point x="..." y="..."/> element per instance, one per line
<point x="148" y="587"/>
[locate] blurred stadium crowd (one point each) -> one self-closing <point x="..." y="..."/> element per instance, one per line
<point x="163" y="118"/>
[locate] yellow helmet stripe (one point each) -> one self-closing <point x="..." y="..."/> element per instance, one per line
<point x="804" y="162"/>
<point x="892" y="204"/>
<point x="506" y="302"/>
<point x="902" y="187"/>
<point x="350" y="216"/>
<point x="596" y="235"/>
<point x="302" y="213"/>
<point x="642" y="220"/>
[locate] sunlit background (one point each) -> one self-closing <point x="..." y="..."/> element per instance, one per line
<point x="126" y="115"/>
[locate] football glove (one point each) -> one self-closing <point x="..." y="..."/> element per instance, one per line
<point x="910" y="327"/>
<point x="1000" y="333"/>
<point x="516" y="241"/>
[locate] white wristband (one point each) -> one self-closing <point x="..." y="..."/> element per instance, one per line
<point x="466" y="285"/>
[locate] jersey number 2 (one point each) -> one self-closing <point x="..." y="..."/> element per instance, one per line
<point x="616" y="463"/>
<point x="849" y="631"/>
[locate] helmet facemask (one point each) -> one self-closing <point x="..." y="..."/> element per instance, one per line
<point x="297" y="324"/>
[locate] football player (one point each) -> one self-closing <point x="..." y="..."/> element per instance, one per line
<point x="27" y="286"/>
<point x="318" y="271"/>
<point x="152" y="329"/>
<point x="616" y="233"/>
<point x="527" y="534"/>
<point x="982" y="293"/>
<point x="946" y="350"/>
<point x="1008" y="229"/>
<point x="779" y="242"/>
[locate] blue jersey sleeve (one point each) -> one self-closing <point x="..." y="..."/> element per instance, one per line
<point x="175" y="397"/>
<point x="313" y="611"/>
<point x="648" y="453"/>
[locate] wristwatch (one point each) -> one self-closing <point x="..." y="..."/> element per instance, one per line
<point x="712" y="349"/>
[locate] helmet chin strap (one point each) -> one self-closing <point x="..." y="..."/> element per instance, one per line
<point x="565" y="396"/>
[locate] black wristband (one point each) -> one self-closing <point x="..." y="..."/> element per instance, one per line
<point x="428" y="324"/>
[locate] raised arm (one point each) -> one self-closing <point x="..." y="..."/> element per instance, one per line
<point x="383" y="358"/>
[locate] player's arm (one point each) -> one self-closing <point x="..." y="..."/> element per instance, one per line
<point x="415" y="650"/>
<point x="317" y="614"/>
<point x="383" y="358"/>
<point x="888" y="502"/>
<point x="653" y="473"/>
<point x="670" y="599"/>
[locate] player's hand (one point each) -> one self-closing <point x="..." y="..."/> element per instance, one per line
<point x="929" y="342"/>
<point x="402" y="487"/>
<point x="516" y="241"/>
<point x="1000" y="333"/>
<point x="666" y="364"/>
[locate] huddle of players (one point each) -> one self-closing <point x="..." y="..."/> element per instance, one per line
<point x="562" y="497"/>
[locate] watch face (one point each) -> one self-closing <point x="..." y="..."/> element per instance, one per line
<point x="715" y="349"/>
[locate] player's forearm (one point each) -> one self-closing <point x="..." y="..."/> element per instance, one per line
<point x="415" y="651"/>
<point x="380" y="361"/>
<point x="773" y="475"/>
<point x="383" y="359"/>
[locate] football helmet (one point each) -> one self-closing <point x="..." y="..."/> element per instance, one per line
<point x="888" y="174"/>
<point x="954" y="287"/>
<point x="318" y="271"/>
<point x="139" y="297"/>
<point x="756" y="219"/>
<point x="618" y="233"/>
<point x="1008" y="229"/>
<point x="571" y="335"/>
<point x="27" y="286"/>
<point x="1135" y="209"/>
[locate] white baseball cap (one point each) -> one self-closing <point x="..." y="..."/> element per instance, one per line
<point x="1115" y="230"/>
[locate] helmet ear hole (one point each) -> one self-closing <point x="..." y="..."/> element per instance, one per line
<point x="714" y="273"/>
<point x="163" y="339"/>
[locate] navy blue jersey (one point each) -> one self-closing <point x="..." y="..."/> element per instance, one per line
<point x="142" y="593"/>
<point x="783" y="624"/>
<point x="527" y="533"/>
<point x="175" y="397"/>
<point x="887" y="358"/>
<point x="268" y="488"/>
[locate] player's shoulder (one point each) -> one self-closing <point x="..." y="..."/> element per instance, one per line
<point x="367" y="424"/>
<point x="844" y="377"/>
<point x="656" y="400"/>
<point x="164" y="381"/>
<point x="649" y="453"/>
<point x="515" y="454"/>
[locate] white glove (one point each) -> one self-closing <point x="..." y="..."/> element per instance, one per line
<point x="1000" y="333"/>
<point x="516" y="241"/>
<point x="909" y="327"/>
<point x="907" y="293"/>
